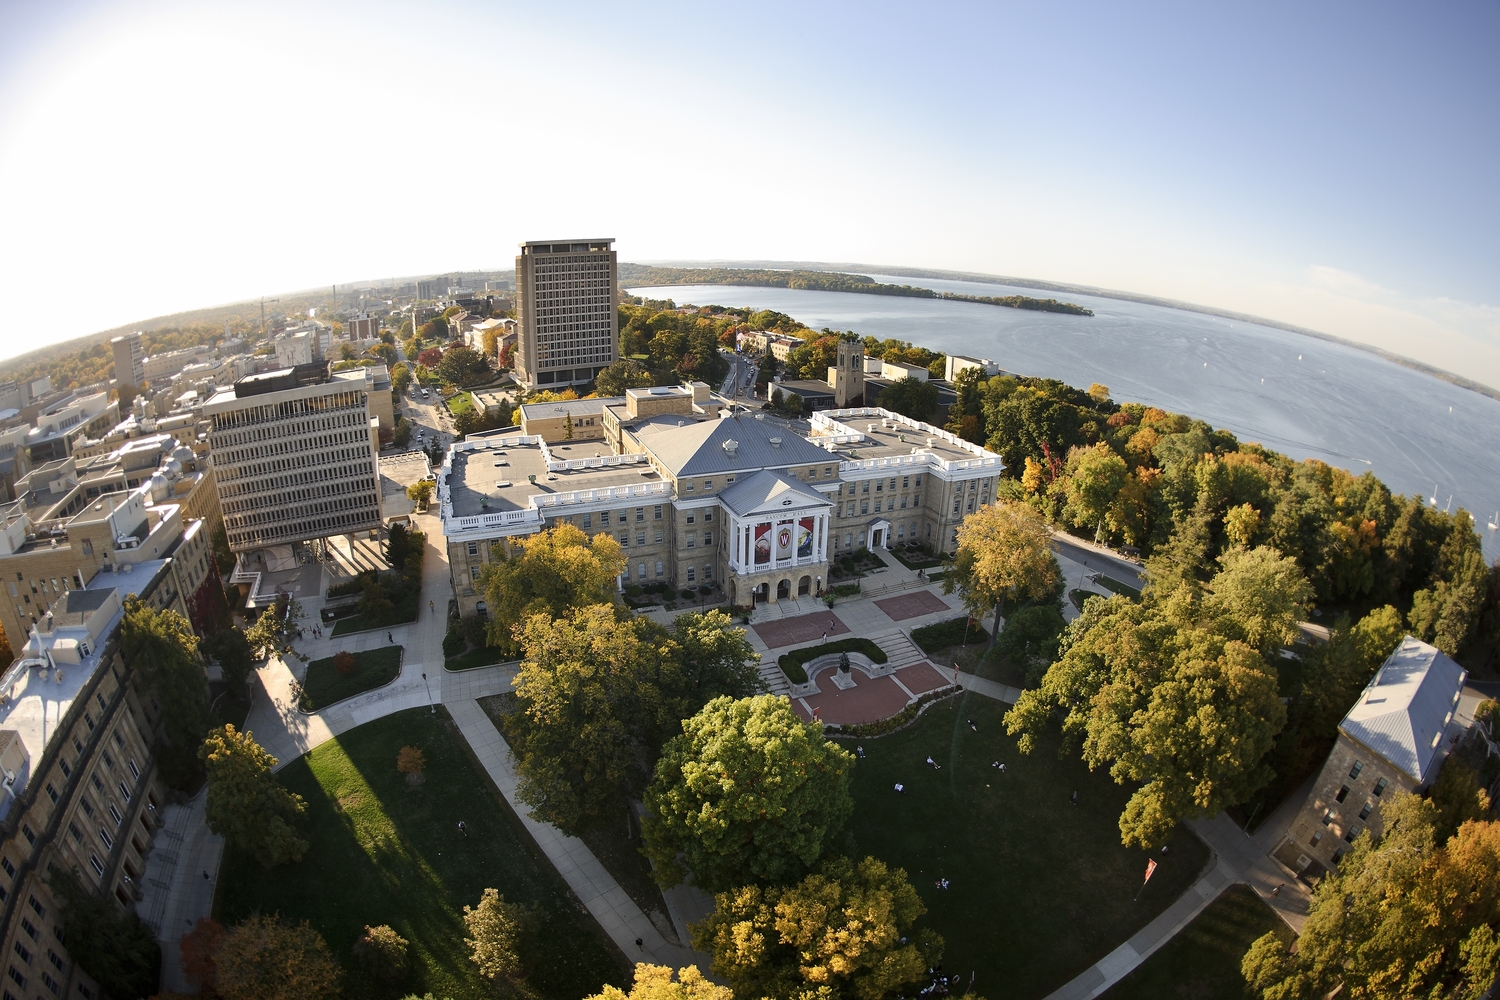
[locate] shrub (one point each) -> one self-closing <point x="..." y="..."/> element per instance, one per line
<point x="495" y="926"/>
<point x="932" y="638"/>
<point x="343" y="662"/>
<point x="410" y="760"/>
<point x="453" y="642"/>
<point x="688" y="595"/>
<point x="382" y="951"/>
<point x="791" y="663"/>
<point x="353" y="585"/>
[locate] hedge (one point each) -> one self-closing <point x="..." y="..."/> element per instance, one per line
<point x="950" y="633"/>
<point x="791" y="663"/>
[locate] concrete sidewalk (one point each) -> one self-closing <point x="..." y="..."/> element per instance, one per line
<point x="609" y="904"/>
<point x="174" y="891"/>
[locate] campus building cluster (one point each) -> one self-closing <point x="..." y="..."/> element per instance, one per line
<point x="696" y="493"/>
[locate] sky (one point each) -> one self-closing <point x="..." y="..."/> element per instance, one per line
<point x="1328" y="165"/>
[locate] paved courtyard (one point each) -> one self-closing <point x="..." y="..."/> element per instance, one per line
<point x="871" y="699"/>
<point x="799" y="630"/>
<point x="914" y="605"/>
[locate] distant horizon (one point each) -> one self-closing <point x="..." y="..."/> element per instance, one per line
<point x="847" y="267"/>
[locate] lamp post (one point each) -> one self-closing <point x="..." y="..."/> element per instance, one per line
<point x="432" y="708"/>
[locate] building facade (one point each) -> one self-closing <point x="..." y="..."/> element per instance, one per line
<point x="130" y="363"/>
<point x="81" y="792"/>
<point x="294" y="456"/>
<point x="1396" y="737"/>
<point x="569" y="325"/>
<point x="695" y="494"/>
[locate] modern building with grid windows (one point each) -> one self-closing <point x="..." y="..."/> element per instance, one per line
<point x="566" y="298"/>
<point x="294" y="456"/>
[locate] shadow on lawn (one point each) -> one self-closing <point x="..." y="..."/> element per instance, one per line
<point x="1038" y="889"/>
<point x="384" y="852"/>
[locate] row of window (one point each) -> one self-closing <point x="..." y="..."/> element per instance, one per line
<point x="864" y="505"/>
<point x="329" y="422"/>
<point x="258" y="487"/>
<point x="320" y="527"/>
<point x="314" y="406"/>
<point x="280" y="510"/>
<point x="288" y="445"/>
<point x="295" y="496"/>
<point x="317" y="463"/>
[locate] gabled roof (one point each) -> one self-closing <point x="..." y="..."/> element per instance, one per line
<point x="769" y="492"/>
<point x="1402" y="713"/>
<point x="699" y="449"/>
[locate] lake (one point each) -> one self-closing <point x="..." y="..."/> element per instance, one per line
<point x="1305" y="397"/>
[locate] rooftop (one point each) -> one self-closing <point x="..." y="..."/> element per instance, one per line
<point x="38" y="689"/>
<point x="1404" y="711"/>
<point x="773" y="490"/>
<point x="730" y="445"/>
<point x="872" y="433"/>
<point x="575" y="407"/>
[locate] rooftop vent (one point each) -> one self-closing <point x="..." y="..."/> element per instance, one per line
<point x="931" y="442"/>
<point x="775" y="442"/>
<point x="731" y="446"/>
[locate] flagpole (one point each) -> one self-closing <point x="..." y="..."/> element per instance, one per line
<point x="1150" y="870"/>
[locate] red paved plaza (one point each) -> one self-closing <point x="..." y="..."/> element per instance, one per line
<point x="923" y="602"/>
<point x="803" y="628"/>
<point x="871" y="699"/>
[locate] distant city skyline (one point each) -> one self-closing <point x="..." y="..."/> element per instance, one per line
<point x="1328" y="168"/>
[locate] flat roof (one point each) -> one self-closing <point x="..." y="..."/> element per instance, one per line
<point x="475" y="476"/>
<point x="576" y="407"/>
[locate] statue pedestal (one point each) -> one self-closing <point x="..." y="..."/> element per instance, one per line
<point x="842" y="681"/>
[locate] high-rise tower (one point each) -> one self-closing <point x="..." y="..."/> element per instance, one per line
<point x="567" y="301"/>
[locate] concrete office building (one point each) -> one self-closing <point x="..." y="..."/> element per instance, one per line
<point x="130" y="363"/>
<point x="569" y="325"/>
<point x="81" y="793"/>
<point x="294" y="456"/>
<point x="697" y="495"/>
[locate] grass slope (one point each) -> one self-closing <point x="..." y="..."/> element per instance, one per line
<point x="385" y="853"/>
<point x="1039" y="889"/>
<point x="1203" y="961"/>
<point x="324" y="685"/>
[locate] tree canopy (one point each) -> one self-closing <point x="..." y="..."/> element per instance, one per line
<point x="463" y="366"/>
<point x="246" y="805"/>
<point x="117" y="950"/>
<point x="1160" y="696"/>
<point x="748" y="793"/>
<point x="494" y="928"/>
<point x="911" y="397"/>
<point x="266" y="959"/>
<point x="1003" y="554"/>
<point x="654" y="982"/>
<point x="554" y="571"/>
<point x="600" y="693"/>
<point x="161" y="645"/>
<point x="627" y="373"/>
<point x="1404" y="916"/>
<point x="849" y="927"/>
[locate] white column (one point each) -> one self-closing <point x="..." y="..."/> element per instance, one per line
<point x="792" y="524"/>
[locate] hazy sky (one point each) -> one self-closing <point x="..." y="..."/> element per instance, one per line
<point x="1328" y="165"/>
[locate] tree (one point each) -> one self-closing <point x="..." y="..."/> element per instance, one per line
<point x="266" y="959"/>
<point x="401" y="434"/>
<point x="430" y="358"/>
<point x="161" y="645"/>
<point x="494" y="928"/>
<point x="593" y="712"/>
<point x="117" y="950"/>
<point x="912" y="397"/>
<point x="748" y="793"/>
<point x="654" y="982"/>
<point x="556" y="570"/>
<point x="199" y="948"/>
<point x="777" y="400"/>
<point x="463" y="366"/>
<point x="1096" y="479"/>
<point x="626" y="373"/>
<point x="232" y="650"/>
<point x="849" y="927"/>
<point x="411" y="762"/>
<point x="383" y="952"/>
<point x="1160" y="699"/>
<point x="246" y="806"/>
<point x="793" y="404"/>
<point x="506" y="358"/>
<point x="1259" y="597"/>
<point x="274" y="627"/>
<point x="401" y="377"/>
<point x="1003" y="554"/>
<point x="716" y="658"/>
<point x="1405" y="916"/>
<point x="1458" y="796"/>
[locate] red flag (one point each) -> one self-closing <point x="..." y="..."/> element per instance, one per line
<point x="1150" y="868"/>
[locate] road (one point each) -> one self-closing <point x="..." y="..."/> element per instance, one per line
<point x="1099" y="560"/>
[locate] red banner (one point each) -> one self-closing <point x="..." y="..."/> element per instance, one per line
<point x="1150" y="868"/>
<point x="762" y="543"/>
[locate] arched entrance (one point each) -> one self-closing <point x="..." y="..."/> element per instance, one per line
<point x="762" y="593"/>
<point x="783" y="590"/>
<point x="804" y="585"/>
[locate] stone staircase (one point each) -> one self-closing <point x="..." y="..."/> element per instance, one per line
<point x="902" y="652"/>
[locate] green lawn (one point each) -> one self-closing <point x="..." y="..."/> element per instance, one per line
<point x="383" y="852"/>
<point x="1203" y="961"/>
<point x="1110" y="583"/>
<point x="460" y="403"/>
<point x="482" y="657"/>
<point x="1039" y="889"/>
<point x="372" y="668"/>
<point x="407" y="611"/>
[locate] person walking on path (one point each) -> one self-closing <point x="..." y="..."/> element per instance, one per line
<point x="390" y="638"/>
<point x="463" y="828"/>
<point x="1074" y="799"/>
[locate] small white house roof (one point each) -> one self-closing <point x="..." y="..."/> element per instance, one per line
<point x="1403" y="712"/>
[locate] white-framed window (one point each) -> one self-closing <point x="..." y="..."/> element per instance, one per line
<point x="640" y="571"/>
<point x="660" y="570"/>
<point x="708" y="571"/>
<point x="691" y="574"/>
